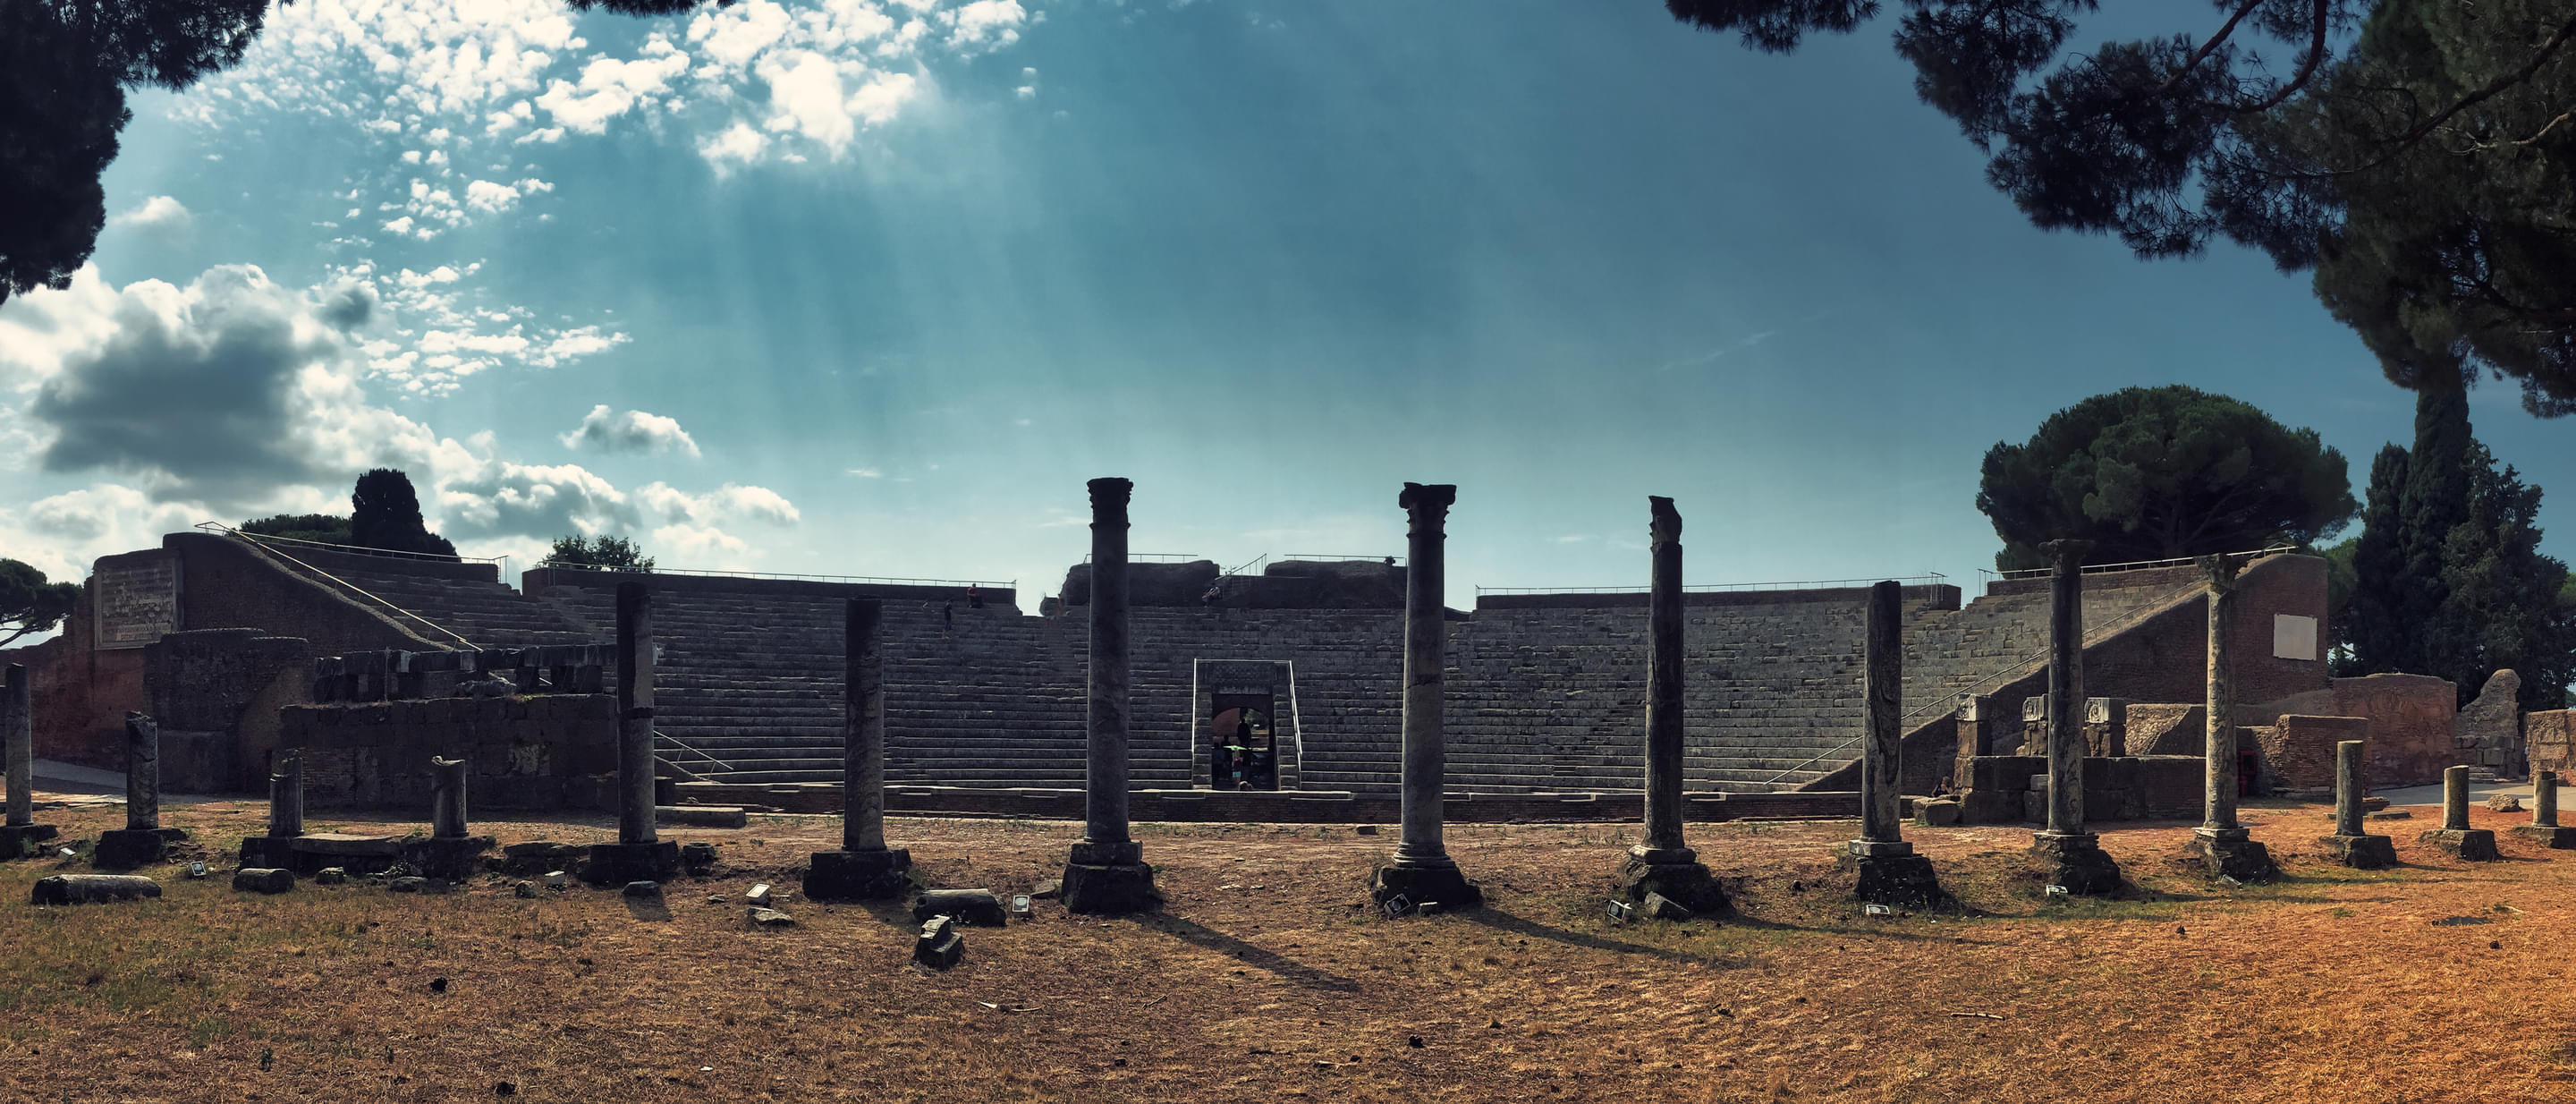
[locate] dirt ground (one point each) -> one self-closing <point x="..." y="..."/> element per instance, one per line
<point x="1268" y="977"/>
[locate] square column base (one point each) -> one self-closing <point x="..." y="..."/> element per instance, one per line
<point x="2468" y="844"/>
<point x="2548" y="835"/>
<point x="1108" y="889"/>
<point x="1684" y="882"/>
<point x="1422" y="883"/>
<point x="618" y="863"/>
<point x="21" y="841"/>
<point x="880" y="875"/>
<point x="2233" y="853"/>
<point x="1898" y="880"/>
<point x="127" y="848"/>
<point x="454" y="858"/>
<point x="2076" y="860"/>
<point x="2363" y="852"/>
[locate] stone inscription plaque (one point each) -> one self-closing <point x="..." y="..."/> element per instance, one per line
<point x="136" y="603"/>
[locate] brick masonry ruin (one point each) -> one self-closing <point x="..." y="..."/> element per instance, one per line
<point x="1546" y="691"/>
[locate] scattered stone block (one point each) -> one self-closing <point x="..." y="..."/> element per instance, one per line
<point x="524" y="890"/>
<point x="1937" y="813"/>
<point x="21" y="841"/>
<point x="771" y="918"/>
<point x="940" y="946"/>
<point x="759" y="894"/>
<point x="75" y="889"/>
<point x="2361" y="852"/>
<point x="698" y="858"/>
<point x="2467" y="844"/>
<point x="257" y="879"/>
<point x="644" y="889"/>
<point x="127" y="848"/>
<point x="2548" y="835"/>
<point x="700" y="816"/>
<point x="409" y="883"/>
<point x="1660" y="907"/>
<point x="331" y="875"/>
<point x="2504" y="803"/>
<point x="1046" y="890"/>
<point x="978" y="907"/>
<point x="882" y="874"/>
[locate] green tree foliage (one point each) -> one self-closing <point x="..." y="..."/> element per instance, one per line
<point x="2339" y="587"/>
<point x="603" y="552"/>
<point x="384" y="512"/>
<point x="29" y="604"/>
<point x="2153" y="473"/>
<point x="319" y="528"/>
<point x="65" y="67"/>
<point x="2448" y="575"/>
<point x="2423" y="174"/>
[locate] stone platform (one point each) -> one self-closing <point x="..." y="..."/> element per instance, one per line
<point x="2077" y="862"/>
<point x="1676" y="874"/>
<point x="880" y="875"/>
<point x="2233" y="853"/>
<point x="24" y="841"/>
<point x="2361" y="852"/>
<point x="127" y="848"/>
<point x="2468" y="844"/>
<point x="2547" y="835"/>
<point x="308" y="855"/>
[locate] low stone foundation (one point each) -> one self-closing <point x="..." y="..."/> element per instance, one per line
<point x="533" y="753"/>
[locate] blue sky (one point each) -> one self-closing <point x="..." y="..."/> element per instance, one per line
<point x="872" y="288"/>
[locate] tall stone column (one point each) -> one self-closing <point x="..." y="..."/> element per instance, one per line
<point x="142" y="840"/>
<point x="2455" y="835"/>
<point x="1890" y="872"/>
<point x="2074" y="855"/>
<point x="2228" y="849"/>
<point x="1664" y="864"/>
<point x="1106" y="872"/>
<point x="864" y="868"/>
<point x="2544" y="829"/>
<point x="20" y="833"/>
<point x="640" y="854"/>
<point x="1421" y="872"/>
<point x="2349" y="845"/>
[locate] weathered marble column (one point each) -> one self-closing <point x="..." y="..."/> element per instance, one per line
<point x="2075" y="856"/>
<point x="2350" y="845"/>
<point x="640" y="854"/>
<point x="447" y="798"/>
<point x="2455" y="835"/>
<point x="19" y="832"/>
<point x="286" y="795"/>
<point x="1420" y="871"/>
<point x="2544" y="828"/>
<point x="1890" y="872"/>
<point x="1106" y="872"/>
<point x="2228" y="849"/>
<point x="864" y="868"/>
<point x="142" y="840"/>
<point x="1665" y="864"/>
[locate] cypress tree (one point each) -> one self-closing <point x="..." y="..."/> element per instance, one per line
<point x="2372" y="628"/>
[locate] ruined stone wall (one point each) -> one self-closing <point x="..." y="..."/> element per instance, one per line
<point x="216" y="693"/>
<point x="2410" y="716"/>
<point x="2551" y="739"/>
<point x="542" y="752"/>
<point x="2299" y="750"/>
<point x="2488" y="732"/>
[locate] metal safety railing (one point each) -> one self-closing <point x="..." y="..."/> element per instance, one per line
<point x="2138" y="565"/>
<point x="1156" y="557"/>
<point x="1337" y="557"/>
<point x="352" y="549"/>
<point x="248" y="538"/>
<point x="701" y="573"/>
<point x="2017" y="668"/>
<point x="1709" y="588"/>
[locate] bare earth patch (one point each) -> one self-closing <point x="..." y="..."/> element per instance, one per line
<point x="1267" y="977"/>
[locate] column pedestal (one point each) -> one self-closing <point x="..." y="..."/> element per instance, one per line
<point x="24" y="841"/>
<point x="2547" y="835"/>
<point x="1108" y="879"/>
<point x="2233" y="853"/>
<point x="1674" y="872"/>
<point x="883" y="874"/>
<point x="2363" y="852"/>
<point x="2467" y="844"/>
<point x="2076" y="860"/>
<point x="127" y="848"/>
<point x="1422" y="880"/>
<point x="1892" y="874"/>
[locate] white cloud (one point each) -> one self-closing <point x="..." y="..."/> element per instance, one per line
<point x="609" y="87"/>
<point x="986" y="24"/>
<point x="731" y="502"/>
<point x="159" y="214"/>
<point x="632" y="431"/>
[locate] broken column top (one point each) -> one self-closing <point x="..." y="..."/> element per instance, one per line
<point x="2069" y="552"/>
<point x="1667" y="524"/>
<point x="1110" y="491"/>
<point x="1436" y="496"/>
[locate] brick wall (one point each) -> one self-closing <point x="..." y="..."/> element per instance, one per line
<point x="2411" y="718"/>
<point x="536" y="752"/>
<point x="2551" y="738"/>
<point x="2299" y="749"/>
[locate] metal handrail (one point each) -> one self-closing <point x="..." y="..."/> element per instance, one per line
<point x="1949" y="700"/>
<point x="1320" y="557"/>
<point x="1247" y="565"/>
<point x="699" y="573"/>
<point x="1156" y="557"/>
<point x="360" y="550"/>
<point x="659" y="736"/>
<point x="2137" y="565"/>
<point x="1708" y="588"/>
<point x="353" y="587"/>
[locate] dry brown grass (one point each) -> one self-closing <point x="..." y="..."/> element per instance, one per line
<point x="1267" y="978"/>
